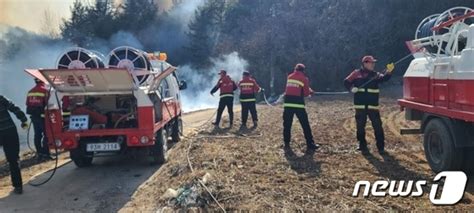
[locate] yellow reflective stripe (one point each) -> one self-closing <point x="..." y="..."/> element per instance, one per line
<point x="296" y="82"/>
<point x="246" y="84"/>
<point x="36" y="94"/>
<point x="373" y="90"/>
<point x="369" y="90"/>
<point x="227" y="95"/>
<point x="248" y="100"/>
<point x="300" y="106"/>
<point x="373" y="107"/>
<point x="42" y="115"/>
<point x="368" y="107"/>
<point x="66" y="113"/>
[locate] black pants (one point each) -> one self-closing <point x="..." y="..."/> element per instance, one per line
<point x="302" y="116"/>
<point x="41" y="141"/>
<point x="361" y="120"/>
<point x="223" y="103"/>
<point x="11" y="147"/>
<point x="246" y="108"/>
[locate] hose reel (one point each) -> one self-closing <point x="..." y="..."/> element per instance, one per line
<point x="439" y="32"/>
<point x="132" y="59"/>
<point x="79" y="58"/>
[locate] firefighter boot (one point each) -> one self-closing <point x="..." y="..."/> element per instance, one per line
<point x="363" y="147"/>
<point x="312" y="146"/>
<point x="255" y="123"/>
<point x="18" y="190"/>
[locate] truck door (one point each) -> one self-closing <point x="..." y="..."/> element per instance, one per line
<point x="166" y="90"/>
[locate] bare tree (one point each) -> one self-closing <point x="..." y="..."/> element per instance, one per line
<point x="50" y="24"/>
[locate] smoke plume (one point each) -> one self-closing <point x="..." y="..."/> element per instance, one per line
<point x="198" y="95"/>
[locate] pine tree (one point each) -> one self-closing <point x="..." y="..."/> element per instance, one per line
<point x="204" y="32"/>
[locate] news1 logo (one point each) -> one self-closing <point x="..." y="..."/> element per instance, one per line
<point x="452" y="192"/>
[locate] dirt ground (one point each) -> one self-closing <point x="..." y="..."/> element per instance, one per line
<point x="250" y="171"/>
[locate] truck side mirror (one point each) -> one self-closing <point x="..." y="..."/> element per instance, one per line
<point x="183" y="85"/>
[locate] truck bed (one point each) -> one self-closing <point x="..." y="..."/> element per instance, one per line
<point x="437" y="110"/>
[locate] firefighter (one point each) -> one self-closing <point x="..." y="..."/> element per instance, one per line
<point x="297" y="88"/>
<point x="364" y="83"/>
<point x="36" y="101"/>
<point x="248" y="89"/>
<point x="10" y="141"/>
<point x="227" y="88"/>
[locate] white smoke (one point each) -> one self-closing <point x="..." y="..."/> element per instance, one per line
<point x="170" y="35"/>
<point x="123" y="38"/>
<point x="21" y="50"/>
<point x="198" y="96"/>
<point x="184" y="12"/>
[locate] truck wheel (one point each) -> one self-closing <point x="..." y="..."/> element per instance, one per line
<point x="440" y="150"/>
<point x="468" y="161"/>
<point x="158" y="151"/>
<point x="78" y="156"/>
<point x="177" y="130"/>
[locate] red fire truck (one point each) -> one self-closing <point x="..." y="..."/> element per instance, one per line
<point x="130" y="104"/>
<point x="437" y="89"/>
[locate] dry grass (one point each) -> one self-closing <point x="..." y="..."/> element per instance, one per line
<point x="251" y="171"/>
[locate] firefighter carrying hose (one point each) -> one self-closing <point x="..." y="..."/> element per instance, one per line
<point x="364" y="83"/>
<point x="248" y="89"/>
<point x="297" y="88"/>
<point x="10" y="141"/>
<point x="36" y="101"/>
<point x="227" y="88"/>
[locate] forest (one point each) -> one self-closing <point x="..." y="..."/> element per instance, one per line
<point x="328" y="36"/>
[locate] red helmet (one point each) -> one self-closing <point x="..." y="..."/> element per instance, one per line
<point x="300" y="67"/>
<point x="222" y="72"/>
<point x="368" y="58"/>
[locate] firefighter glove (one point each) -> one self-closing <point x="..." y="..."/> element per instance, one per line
<point x="25" y="125"/>
<point x="354" y="89"/>
<point x="390" y="67"/>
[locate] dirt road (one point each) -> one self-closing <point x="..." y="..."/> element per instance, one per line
<point x="105" y="187"/>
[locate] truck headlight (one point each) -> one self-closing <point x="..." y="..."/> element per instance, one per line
<point x="58" y="143"/>
<point x="144" y="139"/>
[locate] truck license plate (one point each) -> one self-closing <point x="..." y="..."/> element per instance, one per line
<point x="96" y="147"/>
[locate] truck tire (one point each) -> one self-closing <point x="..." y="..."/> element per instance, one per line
<point x="177" y="130"/>
<point x="78" y="156"/>
<point x="158" y="151"/>
<point x="468" y="161"/>
<point x="440" y="151"/>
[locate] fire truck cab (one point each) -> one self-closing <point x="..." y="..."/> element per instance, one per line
<point x="132" y="105"/>
<point x="437" y="89"/>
